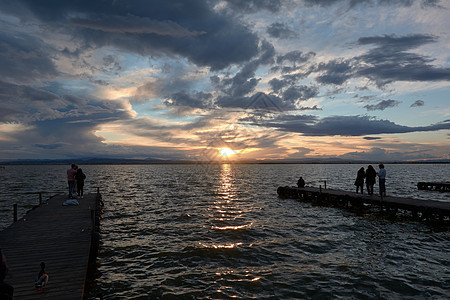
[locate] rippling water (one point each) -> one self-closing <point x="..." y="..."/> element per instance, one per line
<point x="221" y="232"/>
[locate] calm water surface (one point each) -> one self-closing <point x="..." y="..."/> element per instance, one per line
<point x="221" y="232"/>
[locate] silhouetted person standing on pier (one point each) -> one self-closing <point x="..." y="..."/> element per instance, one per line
<point x="80" y="177"/>
<point x="359" y="182"/>
<point x="382" y="180"/>
<point x="371" y="174"/>
<point x="71" y="179"/>
<point x="301" y="182"/>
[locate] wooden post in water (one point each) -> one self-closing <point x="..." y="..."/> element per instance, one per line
<point x="325" y="184"/>
<point x="98" y="191"/>
<point x="40" y="198"/>
<point x="15" y="213"/>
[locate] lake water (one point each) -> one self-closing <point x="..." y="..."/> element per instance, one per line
<point x="221" y="232"/>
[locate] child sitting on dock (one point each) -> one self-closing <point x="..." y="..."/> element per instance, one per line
<point x="42" y="278"/>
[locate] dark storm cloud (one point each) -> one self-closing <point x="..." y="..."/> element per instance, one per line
<point x="244" y="81"/>
<point x="391" y="60"/>
<point x="343" y="125"/>
<point x="295" y="57"/>
<point x="59" y="124"/>
<point x="34" y="106"/>
<point x="335" y="72"/>
<point x="189" y="28"/>
<point x="382" y="105"/>
<point x="300" y="93"/>
<point x="281" y="31"/>
<point x="25" y="59"/>
<point x="418" y="103"/>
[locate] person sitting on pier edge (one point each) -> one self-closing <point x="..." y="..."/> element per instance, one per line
<point x="301" y="182"/>
<point x="80" y="177"/>
<point x="71" y="179"/>
<point x="42" y="278"/>
<point x="6" y="290"/>
<point x="382" y="180"/>
<point x="371" y="174"/>
<point x="359" y="182"/>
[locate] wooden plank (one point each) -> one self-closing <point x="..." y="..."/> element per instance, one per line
<point x="58" y="235"/>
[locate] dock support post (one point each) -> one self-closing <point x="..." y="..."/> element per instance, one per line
<point x="40" y="198"/>
<point x="325" y="184"/>
<point x="98" y="191"/>
<point x="15" y="213"/>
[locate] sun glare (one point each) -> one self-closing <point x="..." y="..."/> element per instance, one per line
<point x="227" y="152"/>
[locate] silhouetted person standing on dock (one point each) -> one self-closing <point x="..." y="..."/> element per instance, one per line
<point x="371" y="175"/>
<point x="359" y="182"/>
<point x="71" y="179"/>
<point x="301" y="182"/>
<point x="382" y="180"/>
<point x="80" y="177"/>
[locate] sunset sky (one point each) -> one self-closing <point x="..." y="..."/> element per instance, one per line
<point x="243" y="79"/>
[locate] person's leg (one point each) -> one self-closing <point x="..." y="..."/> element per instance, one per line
<point x="382" y="187"/>
<point x="70" y="188"/>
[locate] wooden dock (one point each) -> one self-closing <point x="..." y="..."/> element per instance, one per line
<point x="428" y="210"/>
<point x="434" y="186"/>
<point x="62" y="237"/>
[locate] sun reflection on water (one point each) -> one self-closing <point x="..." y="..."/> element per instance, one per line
<point x="227" y="213"/>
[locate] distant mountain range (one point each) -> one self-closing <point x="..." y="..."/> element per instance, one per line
<point x="112" y="161"/>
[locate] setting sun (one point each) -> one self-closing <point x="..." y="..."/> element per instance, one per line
<point x="227" y="152"/>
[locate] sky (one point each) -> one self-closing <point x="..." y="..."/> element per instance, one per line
<point x="225" y="79"/>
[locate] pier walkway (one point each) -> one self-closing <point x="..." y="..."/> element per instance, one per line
<point x="55" y="234"/>
<point x="420" y="209"/>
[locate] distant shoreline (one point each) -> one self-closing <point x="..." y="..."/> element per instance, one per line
<point x="143" y="162"/>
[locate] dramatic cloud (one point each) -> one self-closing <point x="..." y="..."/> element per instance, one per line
<point x="343" y="125"/>
<point x="25" y="59"/>
<point x="190" y="28"/>
<point x="390" y="60"/>
<point x="136" y="25"/>
<point x="382" y="105"/>
<point x="177" y="79"/>
<point x="281" y="31"/>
